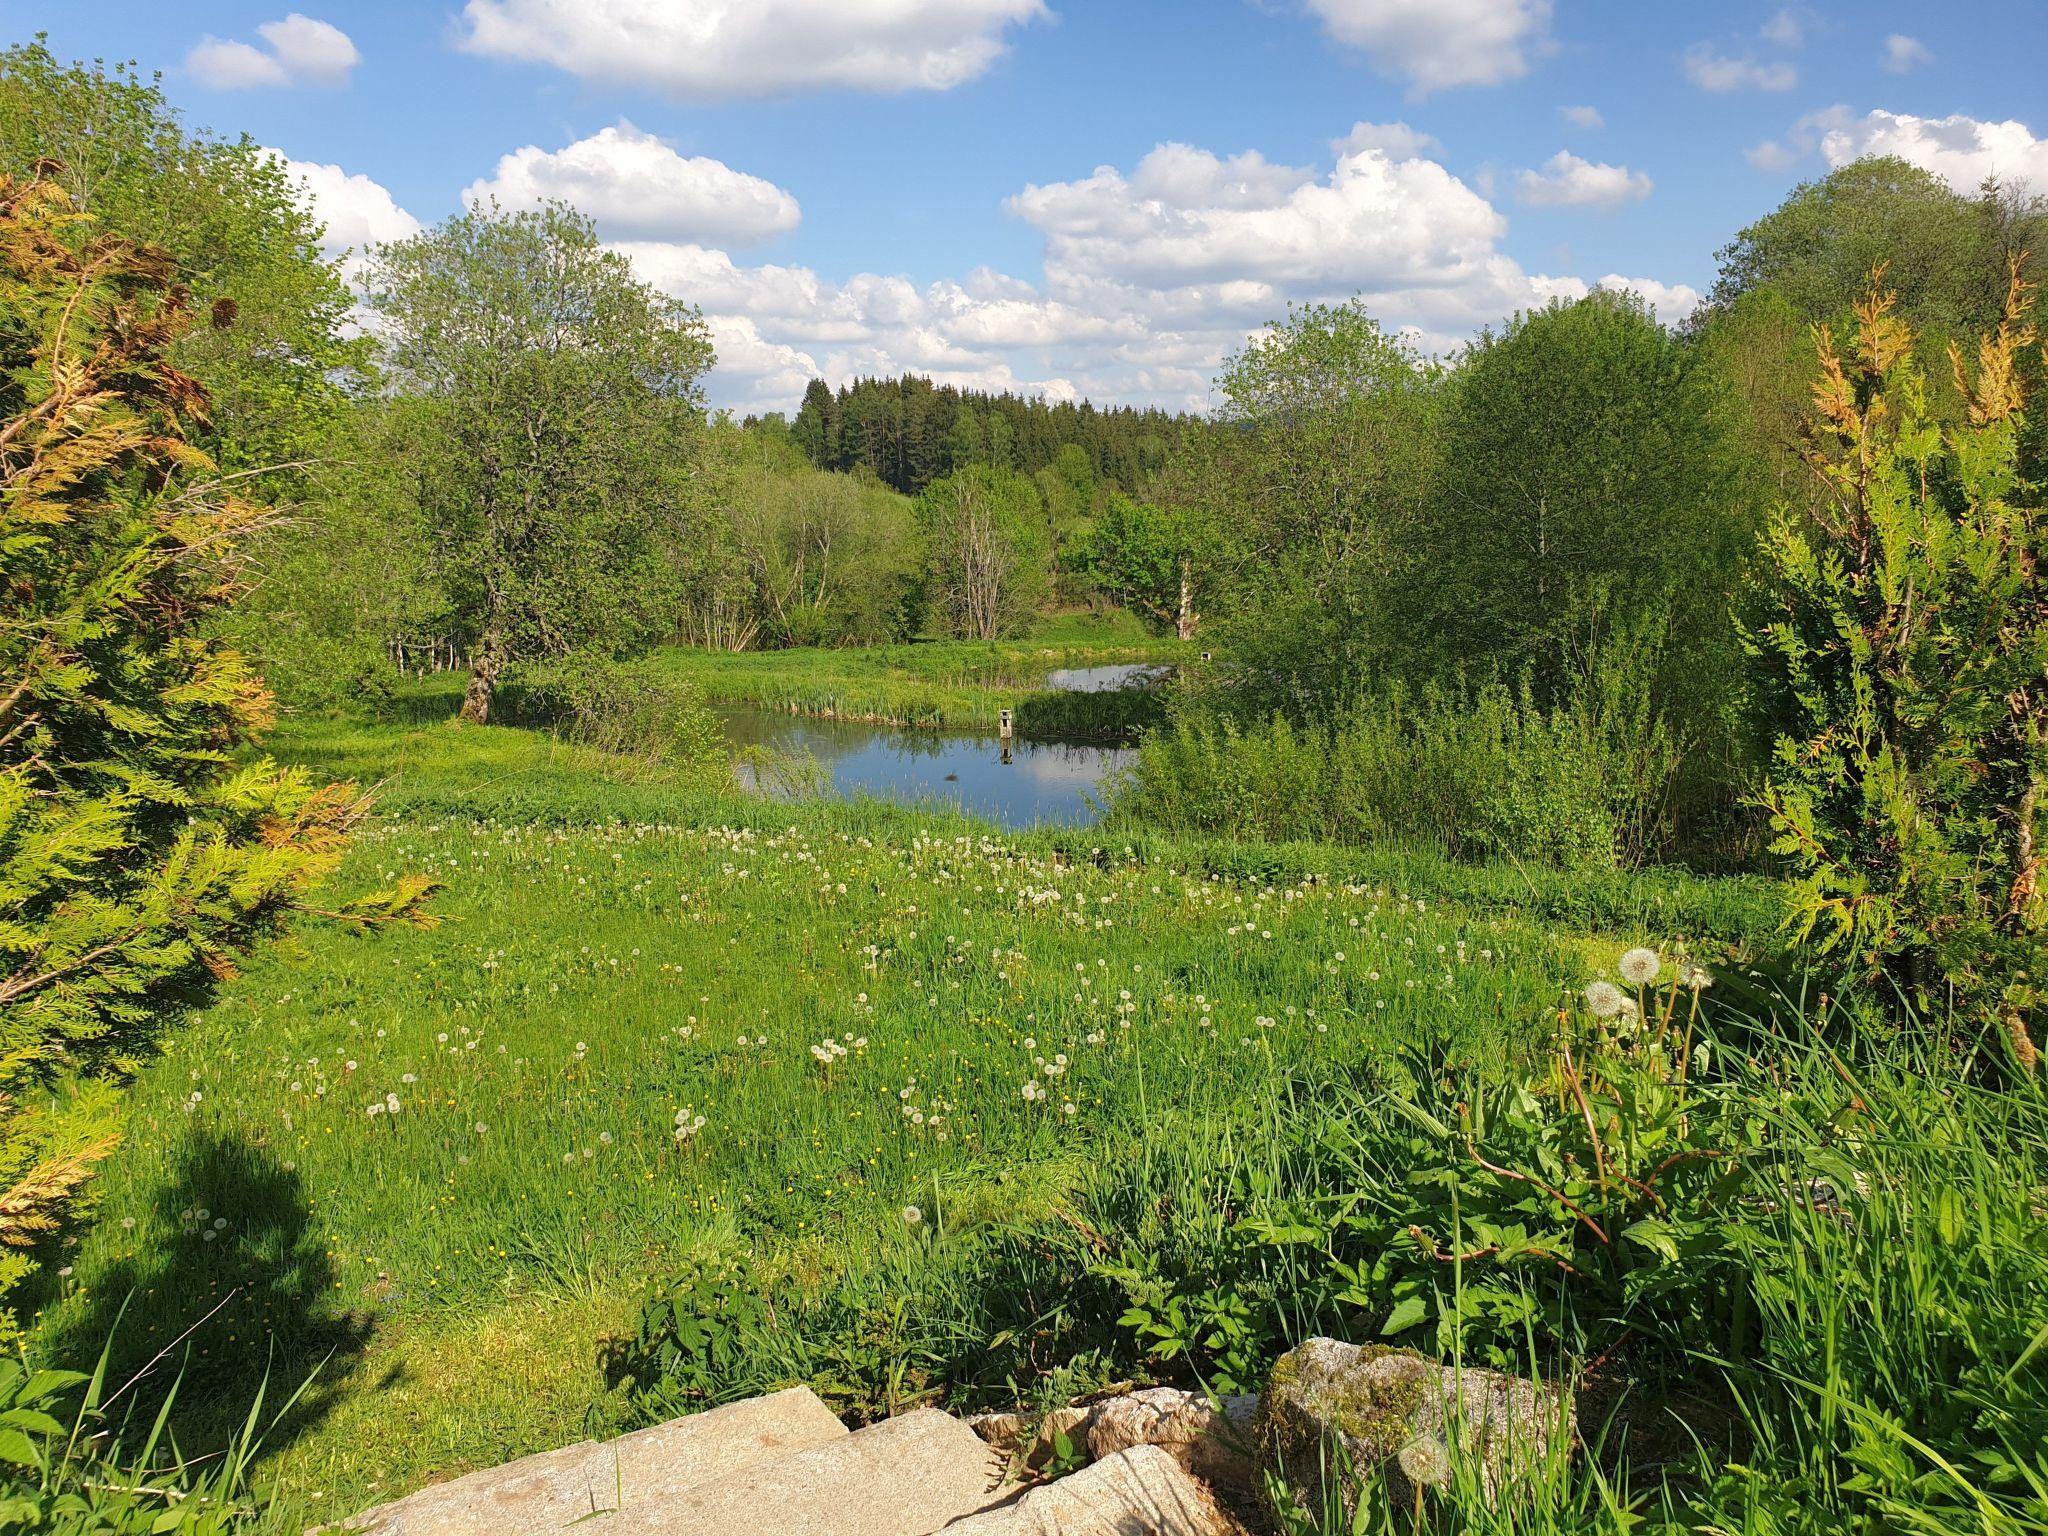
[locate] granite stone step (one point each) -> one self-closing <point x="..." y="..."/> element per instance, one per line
<point x="548" y="1492"/>
<point x="907" y="1476"/>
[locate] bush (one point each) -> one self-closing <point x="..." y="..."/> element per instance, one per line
<point x="1477" y="772"/>
<point x="632" y="708"/>
<point x="1898" y="635"/>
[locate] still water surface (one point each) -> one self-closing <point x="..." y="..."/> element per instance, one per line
<point x="1043" y="782"/>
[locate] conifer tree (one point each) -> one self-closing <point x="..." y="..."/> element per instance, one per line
<point x="141" y="846"/>
<point x="1900" y="634"/>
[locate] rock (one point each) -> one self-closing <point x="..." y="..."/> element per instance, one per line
<point x="1213" y="1445"/>
<point x="1137" y="1492"/>
<point x="555" y="1488"/>
<point x="1030" y="1439"/>
<point x="1344" y="1408"/>
<point x="907" y="1476"/>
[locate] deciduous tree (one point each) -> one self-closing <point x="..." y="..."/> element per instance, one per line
<point x="551" y="412"/>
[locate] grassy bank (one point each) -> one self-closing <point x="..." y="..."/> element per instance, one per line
<point x="957" y="684"/>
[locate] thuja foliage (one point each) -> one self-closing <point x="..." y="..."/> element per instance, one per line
<point x="140" y="849"/>
<point x="1899" y="634"/>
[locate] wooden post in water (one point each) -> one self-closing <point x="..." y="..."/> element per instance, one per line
<point x="1006" y="727"/>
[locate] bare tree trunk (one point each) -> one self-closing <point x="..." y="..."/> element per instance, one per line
<point x="1184" y="623"/>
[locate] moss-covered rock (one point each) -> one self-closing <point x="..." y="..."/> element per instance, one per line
<point x="1342" y="1412"/>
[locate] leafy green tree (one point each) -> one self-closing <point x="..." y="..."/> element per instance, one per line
<point x="276" y="358"/>
<point x="551" y="416"/>
<point x="984" y="535"/>
<point x="1945" y="254"/>
<point x="1154" y="560"/>
<point x="1899" y="637"/>
<point x="1321" y="453"/>
<point x="139" y="849"/>
<point x="832" y="558"/>
<point x="1584" y="475"/>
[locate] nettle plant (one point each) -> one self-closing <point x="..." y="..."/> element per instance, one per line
<point x="1566" y="1205"/>
<point x="1900" y="632"/>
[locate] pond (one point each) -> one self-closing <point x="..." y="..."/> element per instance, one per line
<point x="1123" y="674"/>
<point x="1035" y="784"/>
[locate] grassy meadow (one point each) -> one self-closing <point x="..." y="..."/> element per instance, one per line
<point x="932" y="685"/>
<point x="422" y="1155"/>
<point x="990" y="1119"/>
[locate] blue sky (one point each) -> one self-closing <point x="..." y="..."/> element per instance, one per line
<point x="1096" y="197"/>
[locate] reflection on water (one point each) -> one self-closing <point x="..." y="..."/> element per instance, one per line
<point x="1123" y="674"/>
<point x="1043" y="781"/>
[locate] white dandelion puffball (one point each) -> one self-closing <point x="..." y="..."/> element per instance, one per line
<point x="912" y="1216"/>
<point x="1604" y="999"/>
<point x="1426" y="1462"/>
<point x="1639" y="967"/>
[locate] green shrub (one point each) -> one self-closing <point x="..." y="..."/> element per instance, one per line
<point x="1898" y="634"/>
<point x="138" y="856"/>
<point x="632" y="708"/>
<point x="1478" y="772"/>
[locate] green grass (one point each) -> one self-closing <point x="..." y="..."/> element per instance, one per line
<point x="1241" y="1026"/>
<point x="959" y="684"/>
<point x="611" y="938"/>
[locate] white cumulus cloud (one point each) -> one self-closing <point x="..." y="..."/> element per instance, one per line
<point x="1787" y="26"/>
<point x="1436" y="44"/>
<point x="1566" y="181"/>
<point x="637" y="187"/>
<point x="1962" y="150"/>
<point x="728" y="48"/>
<point x="1582" y="117"/>
<point x="1714" y="71"/>
<point x="1151" y="274"/>
<point x="299" y="51"/>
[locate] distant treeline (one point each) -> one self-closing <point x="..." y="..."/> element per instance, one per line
<point x="910" y="432"/>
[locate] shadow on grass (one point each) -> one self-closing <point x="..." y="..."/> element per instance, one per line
<point x="253" y="1306"/>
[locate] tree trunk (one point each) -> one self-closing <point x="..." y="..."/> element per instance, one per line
<point x="483" y="679"/>
<point x="1184" y="624"/>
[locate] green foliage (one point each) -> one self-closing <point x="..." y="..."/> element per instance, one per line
<point x="550" y="422"/>
<point x="1564" y="1205"/>
<point x="1898" y="644"/>
<point x="1946" y="252"/>
<point x="138" y="853"/>
<point x="629" y="708"/>
<point x="344" y="577"/>
<point x="690" y="1341"/>
<point x="985" y="540"/>
<point x="792" y="556"/>
<point x="1561" y="432"/>
<point x="1476" y="772"/>
<point x="276" y="361"/>
<point x="96" y="1476"/>
<point x="1156" y="561"/>
<point x="909" y="432"/>
<point x="1322" y="452"/>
